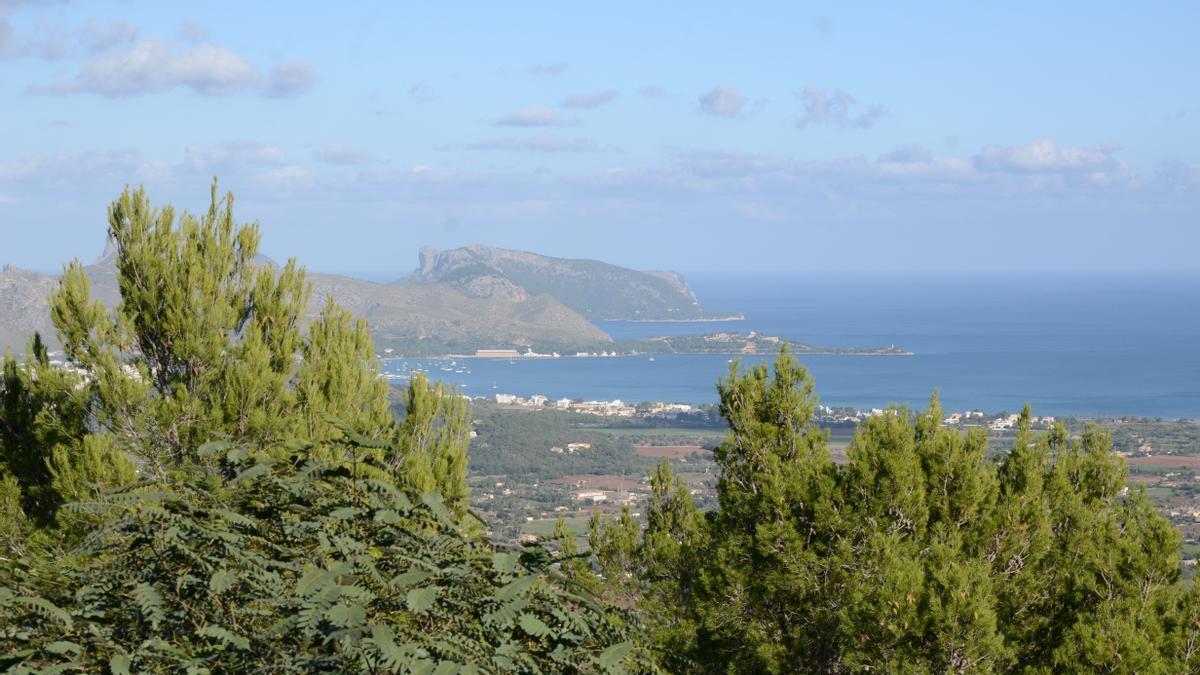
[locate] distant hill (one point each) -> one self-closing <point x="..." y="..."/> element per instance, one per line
<point x="429" y="318"/>
<point x="23" y="308"/>
<point x="441" y="318"/>
<point x="25" y="300"/>
<point x="595" y="289"/>
<point x="458" y="301"/>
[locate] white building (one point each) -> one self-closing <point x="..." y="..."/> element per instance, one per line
<point x="594" y="496"/>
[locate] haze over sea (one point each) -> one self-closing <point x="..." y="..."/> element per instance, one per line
<point x="1070" y="344"/>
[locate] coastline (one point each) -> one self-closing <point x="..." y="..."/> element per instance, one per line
<point x="731" y="317"/>
<point x="542" y="357"/>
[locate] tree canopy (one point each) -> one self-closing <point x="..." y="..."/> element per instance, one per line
<point x="921" y="553"/>
<point x="213" y="481"/>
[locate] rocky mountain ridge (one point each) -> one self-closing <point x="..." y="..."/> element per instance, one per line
<point x="595" y="289"/>
<point x="457" y="301"/>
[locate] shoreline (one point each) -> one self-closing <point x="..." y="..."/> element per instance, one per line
<point x="731" y="317"/>
<point x="544" y="357"/>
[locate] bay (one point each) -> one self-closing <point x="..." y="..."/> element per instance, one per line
<point x="1069" y="344"/>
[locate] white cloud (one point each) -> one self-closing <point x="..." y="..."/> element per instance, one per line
<point x="741" y="185"/>
<point x="154" y="65"/>
<point x="338" y="153"/>
<point x="837" y="109"/>
<point x="594" y="100"/>
<point x="1044" y="156"/>
<point x="535" y="116"/>
<point x="232" y="155"/>
<point x="895" y="199"/>
<point x="913" y="153"/>
<point x="539" y="143"/>
<point x="51" y="42"/>
<point x="722" y="101"/>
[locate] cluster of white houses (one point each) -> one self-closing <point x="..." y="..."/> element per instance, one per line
<point x="998" y="423"/>
<point x="614" y="408"/>
<point x="970" y="418"/>
<point x="530" y="354"/>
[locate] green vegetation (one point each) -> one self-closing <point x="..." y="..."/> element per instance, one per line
<point x="674" y="433"/>
<point x="919" y="554"/>
<point x="742" y="343"/>
<point x="518" y="443"/>
<point x="1160" y="437"/>
<point x="212" y="484"/>
<point x="416" y="320"/>
<point x="594" y="289"/>
<point x="207" y="487"/>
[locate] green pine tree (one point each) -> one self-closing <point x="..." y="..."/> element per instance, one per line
<point x="433" y="439"/>
<point x="920" y="554"/>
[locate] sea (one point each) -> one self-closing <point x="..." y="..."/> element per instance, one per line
<point x="1070" y="344"/>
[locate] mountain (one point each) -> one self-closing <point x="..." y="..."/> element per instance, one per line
<point x="595" y="289"/>
<point x="23" y="308"/>
<point x="442" y="318"/>
<point x="25" y="300"/>
<point x="458" y="301"/>
<point x="415" y="319"/>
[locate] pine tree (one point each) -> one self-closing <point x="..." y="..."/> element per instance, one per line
<point x="43" y="412"/>
<point x="920" y="554"/>
<point x="432" y="440"/>
<point x="204" y="338"/>
<point x="206" y="341"/>
<point x="339" y="377"/>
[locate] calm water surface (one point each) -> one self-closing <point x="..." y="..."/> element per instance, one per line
<point x="1068" y="344"/>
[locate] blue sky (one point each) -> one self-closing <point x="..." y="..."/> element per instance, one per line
<point x="693" y="136"/>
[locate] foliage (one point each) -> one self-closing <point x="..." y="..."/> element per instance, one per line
<point x="43" y="411"/>
<point x="302" y="558"/>
<point x="518" y="442"/>
<point x="205" y="340"/>
<point x="318" y="535"/>
<point x="920" y="554"/>
<point x="433" y="438"/>
<point x="595" y="289"/>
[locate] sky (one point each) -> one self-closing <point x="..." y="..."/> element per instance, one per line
<point x="695" y="136"/>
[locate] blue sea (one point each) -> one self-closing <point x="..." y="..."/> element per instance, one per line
<point x="1069" y="344"/>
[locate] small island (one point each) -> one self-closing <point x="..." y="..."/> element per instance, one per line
<point x="732" y="344"/>
<point x="751" y="343"/>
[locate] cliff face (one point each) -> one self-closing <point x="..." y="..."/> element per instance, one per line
<point x="595" y="289"/>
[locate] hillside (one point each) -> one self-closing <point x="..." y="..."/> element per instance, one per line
<point x="441" y="318"/>
<point x="595" y="289"/>
<point x="413" y="319"/>
<point x="458" y="301"/>
<point x="23" y="308"/>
